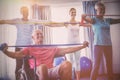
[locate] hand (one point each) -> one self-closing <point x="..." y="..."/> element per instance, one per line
<point x="3" y="47"/>
<point x="85" y="44"/>
<point x="83" y="16"/>
<point x="82" y="19"/>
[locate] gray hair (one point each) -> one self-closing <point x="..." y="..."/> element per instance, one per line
<point x="35" y="30"/>
<point x="99" y="4"/>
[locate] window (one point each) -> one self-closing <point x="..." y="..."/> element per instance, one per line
<point x="42" y="13"/>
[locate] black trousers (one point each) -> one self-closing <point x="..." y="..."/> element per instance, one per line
<point x="29" y="72"/>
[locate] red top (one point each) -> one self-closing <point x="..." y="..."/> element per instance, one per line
<point x="43" y="55"/>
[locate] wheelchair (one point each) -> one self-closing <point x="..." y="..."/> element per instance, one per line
<point x="32" y="73"/>
<point x="33" y="76"/>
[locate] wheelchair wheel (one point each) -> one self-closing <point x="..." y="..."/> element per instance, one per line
<point x="23" y="76"/>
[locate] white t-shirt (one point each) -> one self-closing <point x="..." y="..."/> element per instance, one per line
<point x="73" y="33"/>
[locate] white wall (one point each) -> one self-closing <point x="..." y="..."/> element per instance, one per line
<point x="113" y="8"/>
<point x="9" y="9"/>
<point x="60" y="13"/>
<point x="8" y="32"/>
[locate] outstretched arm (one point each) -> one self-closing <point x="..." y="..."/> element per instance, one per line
<point x="85" y="25"/>
<point x="55" y="24"/>
<point x="4" y="49"/>
<point x="17" y="54"/>
<point x="115" y="21"/>
<point x="7" y="22"/>
<point x="87" y="19"/>
<point x="68" y="50"/>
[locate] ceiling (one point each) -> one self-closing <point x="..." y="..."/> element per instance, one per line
<point x="58" y="1"/>
<point x="69" y="1"/>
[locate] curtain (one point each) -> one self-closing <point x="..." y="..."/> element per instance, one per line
<point x="43" y="14"/>
<point x="88" y="8"/>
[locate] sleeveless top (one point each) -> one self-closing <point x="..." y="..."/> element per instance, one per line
<point x="73" y="33"/>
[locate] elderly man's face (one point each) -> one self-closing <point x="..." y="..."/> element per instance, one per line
<point x="37" y="37"/>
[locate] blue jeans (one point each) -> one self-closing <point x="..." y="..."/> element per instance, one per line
<point x="99" y="51"/>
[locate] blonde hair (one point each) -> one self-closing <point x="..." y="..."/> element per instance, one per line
<point x="23" y="8"/>
<point x="99" y="4"/>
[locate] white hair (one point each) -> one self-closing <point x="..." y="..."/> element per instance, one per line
<point x="35" y="30"/>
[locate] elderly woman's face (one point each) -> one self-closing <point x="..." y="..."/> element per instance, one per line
<point x="100" y="10"/>
<point x="25" y="12"/>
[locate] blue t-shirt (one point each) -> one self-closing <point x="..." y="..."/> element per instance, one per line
<point x="101" y="29"/>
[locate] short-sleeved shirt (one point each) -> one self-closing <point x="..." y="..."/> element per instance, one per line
<point x="101" y="29"/>
<point x="24" y="31"/>
<point x="43" y="55"/>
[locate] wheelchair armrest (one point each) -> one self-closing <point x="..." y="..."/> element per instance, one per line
<point x="29" y="57"/>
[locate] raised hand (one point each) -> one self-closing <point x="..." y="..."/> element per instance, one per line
<point x="85" y="43"/>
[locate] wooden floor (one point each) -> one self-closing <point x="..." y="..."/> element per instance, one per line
<point x="116" y="77"/>
<point x="101" y="77"/>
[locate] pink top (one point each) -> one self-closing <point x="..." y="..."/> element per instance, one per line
<point x="43" y="55"/>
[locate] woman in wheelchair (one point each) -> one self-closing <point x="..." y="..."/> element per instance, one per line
<point x="44" y="58"/>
